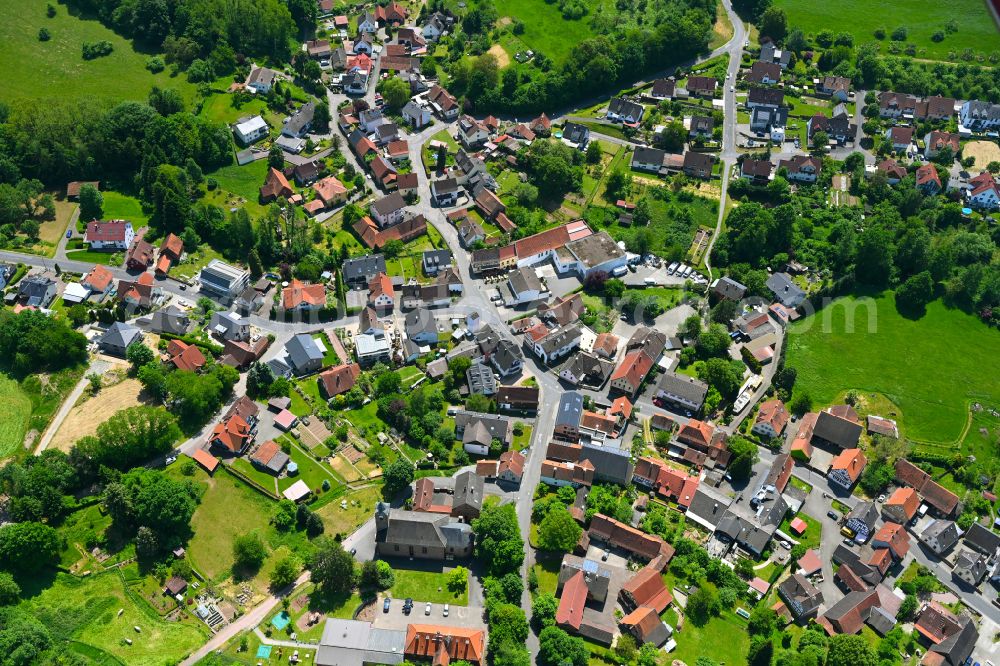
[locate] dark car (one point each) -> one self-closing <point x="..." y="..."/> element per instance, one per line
<point x="407" y="606"/>
<point x="832" y="515"/>
<point x="385" y="605"/>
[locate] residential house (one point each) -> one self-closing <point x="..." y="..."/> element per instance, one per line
<point x="472" y="133"/>
<point x="443" y="644"/>
<point x="801" y="597"/>
<point x="330" y="191"/>
<point x="858" y="608"/>
<point x="861" y="520"/>
<point x="98" y="281"/>
<point x="935" y="107"/>
<point x="118" y="337"/>
<point x="586" y="369"/>
<point x="367" y="23"/>
<point x="902" y="505"/>
<point x="560" y="474"/>
<point x="380" y="293"/>
<point x="983" y="192"/>
<point x="899" y="137"/>
<point x="360" y="271"/>
<point x="541" y="125"/>
<point x="939" y="535"/>
<point x="893" y="170"/>
<point x="389" y="210"/>
<point x="303" y="297"/>
<point x="982" y="539"/>
<point x="765" y="97"/>
<point x="971" y="567"/>
<point x="481" y="380"/>
<point x="951" y="640"/>
<point x="260" y="79"/>
<point x="299" y="124"/>
<point x="979" y="116"/>
<point x="435" y="261"/>
<point x="184" y="356"/>
<point x="648" y="159"/>
<point x="785" y="290"/>
<point x="114" y="235"/>
<point x="139" y="255"/>
<point x="269" y="457"/>
<point x="801" y="168"/>
<point x="772" y="417"/>
<point x="700" y="126"/>
<point x="935" y="141"/>
<point x="557" y="344"/>
<point x="576" y="135"/>
<point x="421" y="328"/>
<point x="767" y="119"/>
<point x="698" y="165"/>
<point x="138" y="294"/>
<point x="838" y="128"/>
<point x="624" y="111"/>
<point x="435" y="26"/>
<point x="416" y="115"/>
<point x="518" y="398"/>
<point x="443" y="103"/>
<point x="304" y="354"/>
<point x="837" y="428"/>
<point x="769" y="52"/>
<point x="662" y="89"/>
<point x="523" y="286"/>
<point x="477" y="431"/>
<point x="837" y="87"/>
<point x="927" y="179"/>
<point x="338" y="379"/>
<point x="37" y="291"/>
<point x="681" y="390"/>
<point x="489" y="204"/>
<point x="445" y="192"/>
<point x="896" y="105"/>
<point x="251" y="130"/>
<point x="631" y="372"/>
<point x="846" y="468"/>
<point x="390" y="14"/>
<point x="765" y="73"/>
<point x="275" y="186"/>
<point x="223" y="280"/>
<point x="702" y="86"/>
<point x="171" y="320"/>
<point x="646" y="626"/>
<point x="758" y="172"/>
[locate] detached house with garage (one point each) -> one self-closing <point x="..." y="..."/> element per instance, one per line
<point x="113" y="235"/>
<point x="625" y="111"/>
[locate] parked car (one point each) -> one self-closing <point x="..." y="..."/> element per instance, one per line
<point x="833" y="515"/>
<point x="427" y="608"/>
<point x="407" y="606"/>
<point x="386" y="604"/>
<point x="445" y="611"/>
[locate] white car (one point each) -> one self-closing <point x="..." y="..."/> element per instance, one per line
<point x="445" y="611"/>
<point x="427" y="608"/>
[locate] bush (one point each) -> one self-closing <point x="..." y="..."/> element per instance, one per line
<point x="155" y="64"/>
<point x="899" y="34"/>
<point x="99" y="49"/>
<point x="43" y="35"/>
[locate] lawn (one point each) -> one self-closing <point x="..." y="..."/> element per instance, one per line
<point x="694" y="642"/>
<point x="545" y="30"/>
<point x="360" y="507"/>
<point x="523" y="440"/>
<point x="227" y="509"/>
<point x="424" y="586"/>
<point x="119" y="206"/>
<point x="922" y="19"/>
<point x="809" y="538"/>
<point x="194" y="261"/>
<point x="98" y="612"/>
<point x="95" y="257"/>
<point x="310" y="471"/>
<point x="930" y="368"/>
<point x="547" y="570"/>
<point x="243" y="181"/>
<point x="13" y="426"/>
<point x="56" y="69"/>
<point x="329" y="358"/>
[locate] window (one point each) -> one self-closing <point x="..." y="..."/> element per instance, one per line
<point x="424" y="549"/>
<point x="396" y="548"/>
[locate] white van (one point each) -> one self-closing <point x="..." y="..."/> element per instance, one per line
<point x="620" y="271"/>
<point x="672" y="267"/>
<point x="687" y="271"/>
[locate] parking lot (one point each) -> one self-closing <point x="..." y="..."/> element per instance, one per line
<point x="470" y="617"/>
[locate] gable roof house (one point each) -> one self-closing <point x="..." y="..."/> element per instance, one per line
<point x="682" y="390"/>
<point x="943" y="502"/>
<point x="772" y="417"/>
<point x="983" y="192"/>
<point x="624" y="111"/>
<point x="927" y="179"/>
<point x="401" y="533"/>
<point x="275" y="185"/>
<point x="937" y="140"/>
<point x="766" y="73"/>
<point x="36" y="291"/>
<point x="837" y="87"/>
<point x="847" y="467"/>
<point x="765" y="97"/>
<point x="184" y="356"/>
<point x="802" y="168"/>
<point x="698" y="165"/>
<point x="338" y="379"/>
<point x="893" y="170"/>
<point x="110" y="235"/>
<point x="702" y="86"/>
<point x="304" y="354"/>
<point x="939" y="535"/>
<point x="901" y="506"/>
<point x="769" y="52"/>
<point x="801" y="597"/>
<point x="117" y="338"/>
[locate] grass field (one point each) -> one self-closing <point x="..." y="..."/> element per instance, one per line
<point x="36" y="70"/>
<point x="922" y="19"/>
<point x="930" y="368"/>
<point x="118" y="206"/>
<point x="360" y="507"/>
<point x="15" y="424"/>
<point x="424" y="586"/>
<point x="84" y="418"/>
<point x="545" y="30"/>
<point x="87" y="610"/>
<point x="228" y="508"/>
<point x="244" y="182"/>
<point x="693" y="642"/>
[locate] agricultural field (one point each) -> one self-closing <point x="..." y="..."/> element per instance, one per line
<point x="99" y="613"/>
<point x="57" y="68"/>
<point x="929" y="368"/>
<point x="922" y="18"/>
<point x="85" y="416"/>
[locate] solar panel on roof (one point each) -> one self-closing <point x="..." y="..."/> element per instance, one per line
<point x="590" y="566"/>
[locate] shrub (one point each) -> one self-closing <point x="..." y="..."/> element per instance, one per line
<point x="43" y="35"/>
<point x="99" y="49"/>
<point x="155" y="64"/>
<point x="899" y="34"/>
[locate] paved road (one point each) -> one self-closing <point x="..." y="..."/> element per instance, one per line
<point x="244" y="623"/>
<point x="729" y="154"/>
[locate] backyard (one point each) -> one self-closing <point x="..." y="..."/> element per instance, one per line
<point x="424" y="586"/>
<point x="929" y="368"/>
<point x="694" y="642"/>
<point x="922" y="18"/>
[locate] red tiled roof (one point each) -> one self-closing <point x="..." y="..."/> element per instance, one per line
<point x="895" y="536"/>
<point x="339" y="379"/>
<point x="185" y="356"/>
<point x="173" y="246"/>
<point x="905" y="498"/>
<point x="696" y="433"/>
<point x="99" y="278"/>
<point x="443" y="644"/>
<point x="265" y="452"/>
<point x="329" y="189"/>
<point x="112" y="231"/>
<point x="297" y="293"/>
<point x="646" y="588"/>
<point x="572" y="601"/>
<point x="852" y="461"/>
<point x="774" y="413"/>
<point x="423" y="497"/>
<point x="621" y="405"/>
<point x="381" y="285"/>
<point x="205" y="459"/>
<point x="633" y="368"/>
<point x="643" y="621"/>
<point x="810" y="562"/>
<point x="231" y="434"/>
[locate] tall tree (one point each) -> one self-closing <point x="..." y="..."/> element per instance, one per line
<point x="91" y="203"/>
